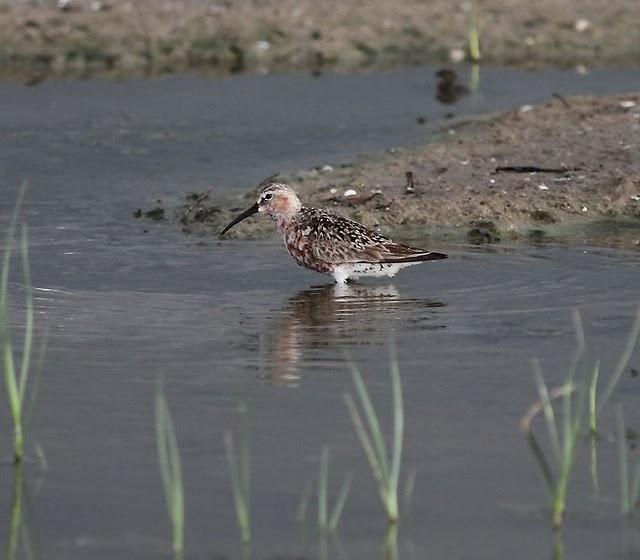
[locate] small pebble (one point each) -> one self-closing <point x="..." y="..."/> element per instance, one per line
<point x="529" y="41"/>
<point x="350" y="192"/>
<point x="262" y="46"/>
<point x="327" y="168"/>
<point x="585" y="209"/>
<point x="526" y="108"/>
<point x="627" y="104"/>
<point x="457" y="55"/>
<point x="543" y="187"/>
<point x="581" y="25"/>
<point x="333" y="190"/>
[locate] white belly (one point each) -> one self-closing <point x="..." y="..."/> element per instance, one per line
<point x="356" y="270"/>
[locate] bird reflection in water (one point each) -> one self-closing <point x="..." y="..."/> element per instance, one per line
<point x="337" y="316"/>
<point x="448" y="89"/>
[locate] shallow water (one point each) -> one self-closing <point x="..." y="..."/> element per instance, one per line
<point x="226" y="321"/>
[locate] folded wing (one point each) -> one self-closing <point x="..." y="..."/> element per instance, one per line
<point x="336" y="239"/>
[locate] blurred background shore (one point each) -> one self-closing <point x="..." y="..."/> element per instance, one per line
<point x="86" y="38"/>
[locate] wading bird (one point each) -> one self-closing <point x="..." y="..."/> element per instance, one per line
<point x="327" y="243"/>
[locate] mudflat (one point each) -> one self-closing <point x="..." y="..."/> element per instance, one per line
<point x="551" y="170"/>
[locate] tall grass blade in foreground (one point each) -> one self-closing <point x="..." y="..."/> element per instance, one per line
<point x="556" y="468"/>
<point x="330" y="523"/>
<point x="407" y="495"/>
<point x="593" y="384"/>
<point x="303" y="504"/>
<point x="390" y="543"/>
<point x="16" y="377"/>
<point x="557" y="546"/>
<point x="239" y="469"/>
<point x="597" y="405"/>
<point x="18" y="530"/>
<point x="170" y="468"/>
<point x="557" y="461"/>
<point x="629" y="489"/>
<point x="385" y="468"/>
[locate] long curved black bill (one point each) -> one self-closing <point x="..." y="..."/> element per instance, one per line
<point x="250" y="212"/>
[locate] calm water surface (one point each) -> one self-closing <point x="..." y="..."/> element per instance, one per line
<point x="223" y="322"/>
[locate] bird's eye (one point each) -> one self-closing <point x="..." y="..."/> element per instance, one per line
<point x="268" y="196"/>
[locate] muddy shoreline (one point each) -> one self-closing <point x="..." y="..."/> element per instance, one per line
<point x="473" y="181"/>
<point x="85" y="38"/>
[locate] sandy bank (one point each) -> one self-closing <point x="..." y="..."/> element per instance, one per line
<point x="470" y="182"/>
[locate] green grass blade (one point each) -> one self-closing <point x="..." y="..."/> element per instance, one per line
<point x="363" y="436"/>
<point x="11" y="383"/>
<point x="16" y="515"/>
<point x="580" y="414"/>
<point x="623" y="462"/>
<point x="10" y="376"/>
<point x="634" y="496"/>
<point x="547" y="474"/>
<point x="622" y="362"/>
<point x="341" y="500"/>
<point x="390" y="543"/>
<point x="170" y="468"/>
<point x="595" y="482"/>
<point x="245" y="460"/>
<point x="474" y="39"/>
<point x="323" y="475"/>
<point x="593" y="392"/>
<point x="547" y="410"/>
<point x="177" y="490"/>
<point x="236" y="485"/>
<point x="580" y="345"/>
<point x="6" y="261"/>
<point x="239" y="472"/>
<point x="581" y="340"/>
<point x="567" y="429"/>
<point x="301" y="511"/>
<point x="398" y="418"/>
<point x="33" y="396"/>
<point x="407" y="495"/>
<point x="161" y="444"/>
<point x="398" y="425"/>
<point x="372" y="421"/>
<point x="12" y="379"/>
<point x="474" y="78"/>
<point x="28" y="334"/>
<point x="549" y="477"/>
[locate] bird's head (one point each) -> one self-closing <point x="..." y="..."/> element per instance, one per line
<point x="277" y="200"/>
